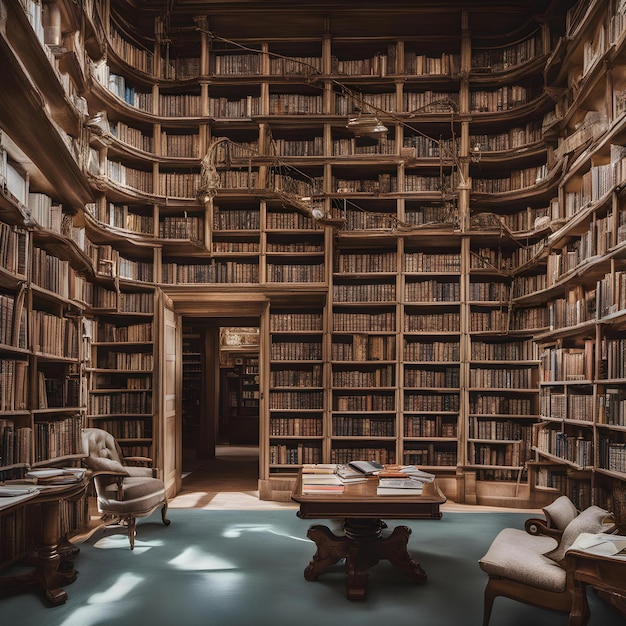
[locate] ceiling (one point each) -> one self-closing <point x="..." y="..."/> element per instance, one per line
<point x="255" y="19"/>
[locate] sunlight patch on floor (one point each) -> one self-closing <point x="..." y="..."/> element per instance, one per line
<point x="235" y="531"/>
<point x="95" y="612"/>
<point x="116" y="542"/>
<point x="193" y="558"/>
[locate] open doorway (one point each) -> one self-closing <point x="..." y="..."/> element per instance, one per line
<point x="220" y="388"/>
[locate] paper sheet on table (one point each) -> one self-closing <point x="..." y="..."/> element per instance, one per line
<point x="601" y="543"/>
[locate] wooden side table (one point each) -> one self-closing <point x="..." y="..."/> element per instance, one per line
<point x="607" y="574"/>
<point x="53" y="568"/>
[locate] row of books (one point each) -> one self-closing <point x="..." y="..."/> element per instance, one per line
<point x="57" y="438"/>
<point x="499" y="429"/>
<point x="132" y="136"/>
<point x="429" y="377"/>
<point x="220" y="272"/>
<point x="138" y="403"/>
<point x="483" y="404"/>
<point x="132" y="333"/>
<point x="497" y="319"/>
<point x="295" y="321"/>
<point x="289" y="400"/>
<point x="304" y="350"/>
<point x="296" y="427"/>
<point x="498" y="59"/>
<point x="523" y="350"/>
<point x="235" y="246"/>
<point x="563" y="445"/>
<point x="343" y="401"/>
<point x="13" y="387"/>
<point x="292" y="273"/>
<point x="432" y="402"/>
<point x="362" y="426"/>
<point x="362" y="347"/>
<point x="516" y="137"/>
<point x="430" y="426"/>
<point x="296" y="377"/>
<point x="127" y="429"/>
<point x="12" y="246"/>
<point x="517" y="377"/>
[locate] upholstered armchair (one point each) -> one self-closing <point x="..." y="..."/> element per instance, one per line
<point x="531" y="567"/>
<point x="126" y="487"/>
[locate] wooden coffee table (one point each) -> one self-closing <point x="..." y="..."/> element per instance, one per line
<point x="363" y="543"/>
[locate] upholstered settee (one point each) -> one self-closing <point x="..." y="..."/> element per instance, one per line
<point x="530" y="566"/>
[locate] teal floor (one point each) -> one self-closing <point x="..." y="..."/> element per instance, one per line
<point x="241" y="568"/>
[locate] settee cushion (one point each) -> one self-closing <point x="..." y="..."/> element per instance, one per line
<point x="591" y="520"/>
<point x="560" y="513"/>
<point x="517" y="555"/>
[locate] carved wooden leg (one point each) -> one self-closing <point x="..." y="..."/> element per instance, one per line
<point x="579" y="613"/>
<point x="131" y="522"/>
<point x="394" y="549"/>
<point x="358" y="563"/>
<point x="330" y="550"/>
<point x="164" y="515"/>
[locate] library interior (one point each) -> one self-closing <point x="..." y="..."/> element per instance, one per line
<point x="322" y="232"/>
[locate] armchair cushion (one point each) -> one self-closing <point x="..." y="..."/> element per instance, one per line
<point x="145" y="472"/>
<point x="139" y="495"/>
<point x="591" y="520"/>
<point x="514" y="554"/>
<point x="560" y="512"/>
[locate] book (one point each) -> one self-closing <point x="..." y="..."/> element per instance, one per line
<point x="321" y="479"/>
<point x="391" y="491"/>
<point x="322" y="488"/>
<point x="400" y="483"/>
<point x="348" y="474"/>
<point x="319" y="468"/>
<point x="407" y="471"/>
<point x="368" y="468"/>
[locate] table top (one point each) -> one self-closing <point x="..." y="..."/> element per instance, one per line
<point x="39" y="493"/>
<point x="359" y="500"/>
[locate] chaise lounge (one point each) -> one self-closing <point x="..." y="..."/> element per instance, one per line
<point x="530" y="565"/>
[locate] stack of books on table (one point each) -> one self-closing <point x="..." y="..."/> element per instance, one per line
<point x="321" y="478"/>
<point x="405" y="480"/>
<point x="348" y="474"/>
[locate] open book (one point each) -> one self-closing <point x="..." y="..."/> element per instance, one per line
<point x="369" y="468"/>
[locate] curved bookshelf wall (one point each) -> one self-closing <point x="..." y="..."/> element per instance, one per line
<point x="459" y="257"/>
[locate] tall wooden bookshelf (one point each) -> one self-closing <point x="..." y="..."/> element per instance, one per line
<point x="423" y="312"/>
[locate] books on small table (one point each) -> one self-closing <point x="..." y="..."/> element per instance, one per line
<point x="321" y="478"/>
<point x="368" y="468"/>
<point x="402" y="480"/>
<point x="399" y="487"/>
<point x="392" y="479"/>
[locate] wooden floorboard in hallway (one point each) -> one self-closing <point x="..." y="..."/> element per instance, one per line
<point x="230" y="481"/>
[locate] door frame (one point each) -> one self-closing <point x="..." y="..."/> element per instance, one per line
<point x="194" y="302"/>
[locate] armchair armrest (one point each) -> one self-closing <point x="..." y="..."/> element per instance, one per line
<point x="116" y="476"/>
<point x="537" y="526"/>
<point x="137" y="460"/>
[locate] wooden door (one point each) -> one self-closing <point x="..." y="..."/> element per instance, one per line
<point x="170" y="402"/>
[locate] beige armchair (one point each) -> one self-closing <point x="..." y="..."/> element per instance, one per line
<point x="126" y="487"/>
<point x="531" y="567"/>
